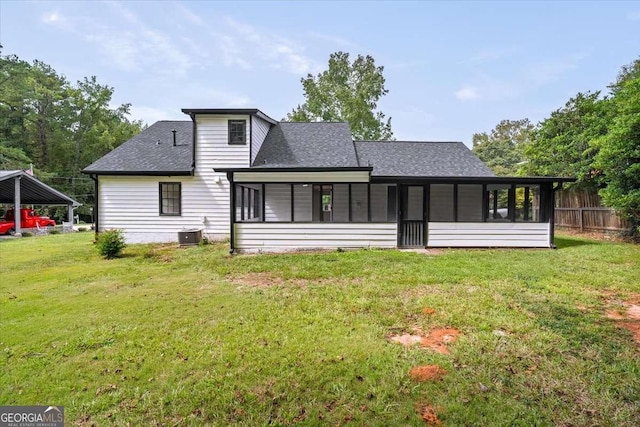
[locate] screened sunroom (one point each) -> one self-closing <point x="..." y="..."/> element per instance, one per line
<point x="318" y="210"/>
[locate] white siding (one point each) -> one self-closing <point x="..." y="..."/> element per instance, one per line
<point x="337" y="176"/>
<point x="259" y="130"/>
<point x="269" y="237"/>
<point x="131" y="203"/>
<point x="512" y="234"/>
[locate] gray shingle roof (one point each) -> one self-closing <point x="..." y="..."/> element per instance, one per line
<point x="405" y="158"/>
<point x="313" y="145"/>
<point x="151" y="152"/>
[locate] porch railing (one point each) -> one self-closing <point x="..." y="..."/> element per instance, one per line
<point x="412" y="233"/>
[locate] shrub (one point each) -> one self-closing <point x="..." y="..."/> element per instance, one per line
<point x="26" y="234"/>
<point x="82" y="229"/>
<point x="110" y="243"/>
<point x="54" y="231"/>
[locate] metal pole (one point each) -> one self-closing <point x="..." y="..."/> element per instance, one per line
<point x="17" y="215"/>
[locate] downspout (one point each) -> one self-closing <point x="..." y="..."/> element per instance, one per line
<point x="193" y="145"/>
<point x="232" y="213"/>
<point x="96" y="206"/>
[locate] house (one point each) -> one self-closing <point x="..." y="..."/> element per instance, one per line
<point x="269" y="185"/>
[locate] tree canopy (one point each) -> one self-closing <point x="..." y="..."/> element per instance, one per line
<point x="594" y="138"/>
<point x="57" y="126"/>
<point x="501" y="149"/>
<point x="346" y="91"/>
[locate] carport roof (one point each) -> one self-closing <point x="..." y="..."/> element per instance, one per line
<point x="32" y="190"/>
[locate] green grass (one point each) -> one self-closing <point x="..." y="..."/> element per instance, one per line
<point x="192" y="336"/>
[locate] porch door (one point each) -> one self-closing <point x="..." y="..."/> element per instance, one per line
<point x="412" y="216"/>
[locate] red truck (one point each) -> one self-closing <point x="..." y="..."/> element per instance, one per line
<point x="28" y="219"/>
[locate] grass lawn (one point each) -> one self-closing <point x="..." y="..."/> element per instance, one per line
<point x="193" y="336"/>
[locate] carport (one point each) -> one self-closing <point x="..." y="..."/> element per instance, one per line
<point x="19" y="187"/>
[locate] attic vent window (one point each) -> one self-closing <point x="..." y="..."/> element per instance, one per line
<point x="237" y="132"/>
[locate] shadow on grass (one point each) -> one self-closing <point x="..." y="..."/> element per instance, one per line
<point x="568" y="242"/>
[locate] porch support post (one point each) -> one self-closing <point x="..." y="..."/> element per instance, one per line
<point x="17" y="215"/>
<point x="399" y="201"/>
<point x="350" y="213"/>
<point x="368" y="202"/>
<point x="455" y="202"/>
<point x="527" y="205"/>
<point x="485" y="203"/>
<point x="292" y="203"/>
<point x="263" y="202"/>
<point x="70" y="214"/>
<point x="232" y="213"/>
<point x="512" y="203"/>
<point x="425" y="214"/>
<point x="96" y="206"/>
<point x="495" y="204"/>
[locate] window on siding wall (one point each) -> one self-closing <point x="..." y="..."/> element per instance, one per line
<point x="237" y="132"/>
<point x="170" y="198"/>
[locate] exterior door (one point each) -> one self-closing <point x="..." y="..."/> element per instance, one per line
<point x="412" y="216"/>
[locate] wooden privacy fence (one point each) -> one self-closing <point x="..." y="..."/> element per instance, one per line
<point x="590" y="218"/>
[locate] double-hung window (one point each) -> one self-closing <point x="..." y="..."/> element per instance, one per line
<point x="237" y="132"/>
<point x="170" y="198"/>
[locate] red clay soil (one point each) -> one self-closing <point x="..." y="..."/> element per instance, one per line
<point x="427" y="373"/>
<point x="428" y="311"/>
<point x="626" y="314"/>
<point x="436" y="340"/>
<point x="428" y="415"/>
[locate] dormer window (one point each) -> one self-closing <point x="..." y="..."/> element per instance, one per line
<point x="237" y="132"/>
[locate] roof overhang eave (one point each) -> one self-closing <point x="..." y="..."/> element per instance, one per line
<point x="476" y="179"/>
<point x="139" y="173"/>
<point x="299" y="169"/>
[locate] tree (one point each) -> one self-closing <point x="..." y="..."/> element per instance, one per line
<point x="561" y="145"/>
<point x="58" y="126"/>
<point x="501" y="150"/>
<point x="618" y="154"/>
<point x="346" y="91"/>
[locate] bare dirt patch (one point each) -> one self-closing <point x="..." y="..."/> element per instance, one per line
<point x="625" y="312"/>
<point x="428" y="311"/>
<point x="256" y="280"/>
<point x="270" y="280"/>
<point x="428" y="415"/>
<point x="437" y="339"/>
<point x="427" y="373"/>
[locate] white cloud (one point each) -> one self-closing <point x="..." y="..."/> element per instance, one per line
<point x="549" y="71"/>
<point x="188" y="14"/>
<point x="128" y="43"/>
<point x="51" y="17"/>
<point x="467" y="93"/>
<point x="244" y="44"/>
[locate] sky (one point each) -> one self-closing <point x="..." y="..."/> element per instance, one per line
<point x="452" y="68"/>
